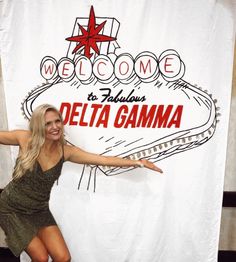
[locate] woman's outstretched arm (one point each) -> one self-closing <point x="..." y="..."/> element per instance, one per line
<point x="77" y="155"/>
<point x="14" y="137"/>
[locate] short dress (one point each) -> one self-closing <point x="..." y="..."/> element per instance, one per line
<point x="24" y="206"/>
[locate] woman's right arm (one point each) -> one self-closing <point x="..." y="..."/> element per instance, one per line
<point x="14" y="137"/>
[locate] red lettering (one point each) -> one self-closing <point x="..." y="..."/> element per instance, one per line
<point x="66" y="107"/>
<point x="155" y="116"/>
<point x="64" y="68"/>
<point x="104" y="116"/>
<point x="166" y="65"/>
<point x="80" y="69"/>
<point x="176" y="118"/>
<point x="95" y="108"/>
<point x="120" y="119"/>
<point x="162" y="118"/>
<point x="146" y="117"/>
<point x="98" y="68"/>
<point x="131" y="120"/>
<point x="145" y="69"/>
<point x="124" y="62"/>
<point x="74" y="113"/>
<point x="49" y="69"/>
<point x="81" y="121"/>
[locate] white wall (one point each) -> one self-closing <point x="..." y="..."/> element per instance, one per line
<point x="5" y="163"/>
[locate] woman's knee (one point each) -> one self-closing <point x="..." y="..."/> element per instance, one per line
<point x="41" y="258"/>
<point x="37" y="251"/>
<point x="62" y="257"/>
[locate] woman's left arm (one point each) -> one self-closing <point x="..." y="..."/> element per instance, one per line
<point x="77" y="155"/>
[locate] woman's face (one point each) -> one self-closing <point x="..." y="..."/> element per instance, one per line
<point x="53" y="126"/>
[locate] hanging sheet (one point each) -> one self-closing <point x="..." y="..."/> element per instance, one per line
<point x="135" y="79"/>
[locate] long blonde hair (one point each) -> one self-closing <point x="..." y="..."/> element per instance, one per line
<point x="26" y="160"/>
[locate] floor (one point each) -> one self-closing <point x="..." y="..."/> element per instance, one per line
<point x="7" y="256"/>
<point x="223" y="256"/>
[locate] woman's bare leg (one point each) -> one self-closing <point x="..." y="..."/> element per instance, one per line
<point x="37" y="251"/>
<point x="55" y="244"/>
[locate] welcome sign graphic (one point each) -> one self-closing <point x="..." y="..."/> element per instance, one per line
<point x="131" y="107"/>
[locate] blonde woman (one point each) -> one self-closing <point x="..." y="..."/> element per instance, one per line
<point x="24" y="210"/>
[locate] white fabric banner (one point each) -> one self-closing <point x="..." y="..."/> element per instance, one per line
<point x="136" y="79"/>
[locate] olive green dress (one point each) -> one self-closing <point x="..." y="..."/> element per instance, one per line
<point x="24" y="206"/>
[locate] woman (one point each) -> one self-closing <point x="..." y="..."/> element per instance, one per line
<point x="24" y="210"/>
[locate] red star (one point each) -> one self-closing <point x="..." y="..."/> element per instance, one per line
<point x="90" y="37"/>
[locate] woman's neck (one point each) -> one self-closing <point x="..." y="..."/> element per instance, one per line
<point x="50" y="146"/>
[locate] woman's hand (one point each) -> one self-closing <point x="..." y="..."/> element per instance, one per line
<point x="149" y="165"/>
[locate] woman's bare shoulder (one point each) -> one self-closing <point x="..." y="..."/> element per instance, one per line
<point x="67" y="151"/>
<point x="23" y="134"/>
<point x="70" y="150"/>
